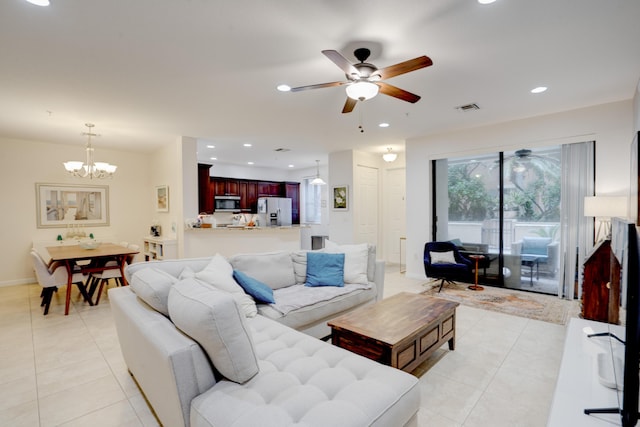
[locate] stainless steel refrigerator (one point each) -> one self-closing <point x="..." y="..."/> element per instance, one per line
<point x="274" y="211"/>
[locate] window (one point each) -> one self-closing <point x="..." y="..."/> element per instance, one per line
<point x="312" y="202"/>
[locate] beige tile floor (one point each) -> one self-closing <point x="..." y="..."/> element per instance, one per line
<point x="58" y="370"/>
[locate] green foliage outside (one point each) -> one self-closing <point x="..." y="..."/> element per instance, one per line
<point x="534" y="193"/>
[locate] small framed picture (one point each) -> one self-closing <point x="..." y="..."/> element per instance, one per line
<point x="162" y="198"/>
<point x="340" y="197"/>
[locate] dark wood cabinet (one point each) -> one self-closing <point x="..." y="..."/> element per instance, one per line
<point x="226" y="187"/>
<point x="292" y="191"/>
<point x="205" y="189"/>
<point x="249" y="190"/>
<point x="601" y="285"/>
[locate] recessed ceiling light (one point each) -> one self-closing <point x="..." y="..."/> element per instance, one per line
<point x="213" y="158"/>
<point x="246" y="144"/>
<point x="486" y="1"/>
<point x="384" y="125"/>
<point x="284" y="88"/>
<point x="539" y="89"/>
<point x="211" y="146"/>
<point x="249" y="163"/>
<point x="39" y="2"/>
<point x="291" y="166"/>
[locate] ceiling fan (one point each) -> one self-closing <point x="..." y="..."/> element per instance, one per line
<point x="364" y="80"/>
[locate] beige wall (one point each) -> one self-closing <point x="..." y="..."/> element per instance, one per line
<point x="610" y="125"/>
<point x="25" y="163"/>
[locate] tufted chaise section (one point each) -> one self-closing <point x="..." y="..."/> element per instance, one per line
<point x="307" y="382"/>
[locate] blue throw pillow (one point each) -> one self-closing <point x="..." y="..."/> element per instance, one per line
<point x="325" y="269"/>
<point x="258" y="290"/>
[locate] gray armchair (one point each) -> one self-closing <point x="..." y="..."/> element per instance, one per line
<point x="543" y="249"/>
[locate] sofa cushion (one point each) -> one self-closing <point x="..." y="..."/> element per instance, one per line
<point x="299" y="259"/>
<point x="152" y="286"/>
<point x="272" y="268"/>
<point x="325" y="269"/>
<point x="213" y="319"/>
<point x="219" y="274"/>
<point x="258" y="290"/>
<point x="355" y="262"/>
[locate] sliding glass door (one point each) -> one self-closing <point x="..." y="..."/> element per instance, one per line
<point x="505" y="206"/>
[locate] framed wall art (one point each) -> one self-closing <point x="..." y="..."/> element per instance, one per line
<point x="340" y="197"/>
<point x="162" y="198"/>
<point x="61" y="205"/>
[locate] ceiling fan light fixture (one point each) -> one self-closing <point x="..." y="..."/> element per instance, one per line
<point x="389" y="156"/>
<point x="361" y="91"/>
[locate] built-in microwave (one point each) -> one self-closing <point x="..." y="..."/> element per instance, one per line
<point x="226" y="203"/>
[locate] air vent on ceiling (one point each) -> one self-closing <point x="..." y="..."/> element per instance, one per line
<point x="468" y="107"/>
<point x="282" y="150"/>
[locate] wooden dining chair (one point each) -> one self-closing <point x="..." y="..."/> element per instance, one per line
<point x="103" y="277"/>
<point x="51" y="280"/>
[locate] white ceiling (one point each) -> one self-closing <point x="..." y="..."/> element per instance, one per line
<point x="149" y="71"/>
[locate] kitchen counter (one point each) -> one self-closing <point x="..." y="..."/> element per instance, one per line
<point x="229" y="241"/>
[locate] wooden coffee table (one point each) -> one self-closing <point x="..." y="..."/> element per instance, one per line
<point x="401" y="331"/>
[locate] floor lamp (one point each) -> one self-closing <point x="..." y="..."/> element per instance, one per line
<point x="603" y="208"/>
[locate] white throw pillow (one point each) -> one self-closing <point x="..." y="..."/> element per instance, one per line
<point x="152" y="286"/>
<point x="355" y="260"/>
<point x="442" y="257"/>
<point x="219" y="274"/>
<point x="213" y="319"/>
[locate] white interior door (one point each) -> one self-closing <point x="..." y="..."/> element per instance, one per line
<point x="366" y="210"/>
<point x="395" y="208"/>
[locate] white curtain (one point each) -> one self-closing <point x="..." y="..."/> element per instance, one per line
<point x="578" y="181"/>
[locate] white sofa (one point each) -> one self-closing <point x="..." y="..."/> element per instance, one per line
<point x="298" y="380"/>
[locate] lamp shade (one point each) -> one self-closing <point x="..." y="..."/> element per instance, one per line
<point x="605" y="206"/>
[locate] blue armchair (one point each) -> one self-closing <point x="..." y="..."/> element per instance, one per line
<point x="443" y="266"/>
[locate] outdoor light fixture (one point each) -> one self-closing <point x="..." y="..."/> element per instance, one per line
<point x="90" y="168"/>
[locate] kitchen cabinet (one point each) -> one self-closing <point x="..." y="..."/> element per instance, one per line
<point x="248" y="195"/>
<point x="292" y="191"/>
<point x="270" y="188"/>
<point x="226" y="187"/>
<point x="248" y="189"/>
<point x="205" y="189"/>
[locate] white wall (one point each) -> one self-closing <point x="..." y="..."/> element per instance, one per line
<point x="610" y="125"/>
<point x="25" y="163"/>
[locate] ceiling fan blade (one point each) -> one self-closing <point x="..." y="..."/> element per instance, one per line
<point x="349" y="105"/>
<point x="396" y="92"/>
<point x="317" y="86"/>
<point x="405" y="67"/>
<point x="341" y="62"/>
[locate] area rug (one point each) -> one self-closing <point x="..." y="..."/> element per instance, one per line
<point x="547" y="308"/>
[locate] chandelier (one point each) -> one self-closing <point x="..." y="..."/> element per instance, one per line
<point x="90" y="168"/>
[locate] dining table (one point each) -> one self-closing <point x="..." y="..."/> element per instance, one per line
<point x="97" y="258"/>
